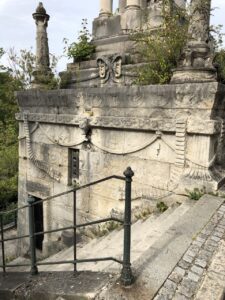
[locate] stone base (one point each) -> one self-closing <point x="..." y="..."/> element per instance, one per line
<point x="193" y="75"/>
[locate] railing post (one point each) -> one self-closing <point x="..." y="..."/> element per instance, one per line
<point x="34" y="269"/>
<point x="75" y="229"/>
<point x="15" y="216"/>
<point x="126" y="274"/>
<point x="3" y="244"/>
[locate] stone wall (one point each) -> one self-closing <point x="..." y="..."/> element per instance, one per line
<point x="172" y="136"/>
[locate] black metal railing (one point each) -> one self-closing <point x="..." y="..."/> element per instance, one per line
<point x="126" y="273"/>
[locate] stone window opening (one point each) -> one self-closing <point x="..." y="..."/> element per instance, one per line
<point x="73" y="166"/>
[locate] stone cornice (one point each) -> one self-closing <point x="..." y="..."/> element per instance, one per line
<point x="208" y="127"/>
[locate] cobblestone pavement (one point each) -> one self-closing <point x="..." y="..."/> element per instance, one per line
<point x="200" y="274"/>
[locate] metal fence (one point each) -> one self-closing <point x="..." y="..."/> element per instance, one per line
<point x="126" y="273"/>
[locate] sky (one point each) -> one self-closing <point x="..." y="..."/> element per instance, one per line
<point x="17" y="27"/>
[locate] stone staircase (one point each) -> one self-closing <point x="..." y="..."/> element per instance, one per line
<point x="158" y="244"/>
<point x="144" y="234"/>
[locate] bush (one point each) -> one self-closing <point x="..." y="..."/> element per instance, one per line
<point x="161" y="48"/>
<point x="83" y="49"/>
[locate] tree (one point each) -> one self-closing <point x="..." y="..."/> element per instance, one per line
<point x="8" y="136"/>
<point x="22" y="66"/>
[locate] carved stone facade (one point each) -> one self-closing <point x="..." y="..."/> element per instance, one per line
<point x="158" y="130"/>
<point x="173" y="137"/>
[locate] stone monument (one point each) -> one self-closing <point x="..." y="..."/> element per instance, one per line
<point x="42" y="73"/>
<point x="173" y="136"/>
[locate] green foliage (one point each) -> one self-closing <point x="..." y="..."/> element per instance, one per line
<point x="143" y="213"/>
<point x="10" y="217"/>
<point x="22" y="66"/>
<point x="161" y="48"/>
<point x="220" y="63"/>
<point x="83" y="49"/>
<point x="161" y="206"/>
<point x="8" y="139"/>
<point x="196" y="194"/>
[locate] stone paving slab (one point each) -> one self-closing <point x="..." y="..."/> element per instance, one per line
<point x="162" y="257"/>
<point x="200" y="274"/>
<point x="213" y="285"/>
<point x="51" y="286"/>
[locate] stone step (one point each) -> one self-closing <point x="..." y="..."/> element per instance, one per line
<point x="157" y="262"/>
<point x="112" y="245"/>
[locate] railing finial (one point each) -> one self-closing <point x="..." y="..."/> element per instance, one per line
<point x="128" y="172"/>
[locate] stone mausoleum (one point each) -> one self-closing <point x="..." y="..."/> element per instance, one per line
<point x="173" y="136"/>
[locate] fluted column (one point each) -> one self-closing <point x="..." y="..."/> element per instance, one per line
<point x="106" y="8"/>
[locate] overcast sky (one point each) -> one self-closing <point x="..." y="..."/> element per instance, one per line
<point x="17" y="28"/>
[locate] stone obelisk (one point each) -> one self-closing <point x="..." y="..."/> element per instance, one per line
<point x="42" y="74"/>
<point x="196" y="63"/>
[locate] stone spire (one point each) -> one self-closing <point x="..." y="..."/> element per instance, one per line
<point x="42" y="68"/>
<point x="196" y="63"/>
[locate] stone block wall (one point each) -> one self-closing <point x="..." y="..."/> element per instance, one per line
<point x="172" y="136"/>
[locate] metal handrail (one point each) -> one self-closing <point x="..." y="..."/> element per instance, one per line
<point x="64" y="193"/>
<point x="126" y="274"/>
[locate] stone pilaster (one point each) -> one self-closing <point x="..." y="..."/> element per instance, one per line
<point x="105" y="8"/>
<point x="196" y="63"/>
<point x="42" y="70"/>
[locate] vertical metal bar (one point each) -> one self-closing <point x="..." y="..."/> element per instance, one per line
<point x="75" y="229"/>
<point x="3" y="244"/>
<point x="34" y="269"/>
<point x="126" y="274"/>
<point x="15" y="216"/>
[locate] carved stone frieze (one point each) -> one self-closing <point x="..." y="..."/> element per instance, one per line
<point x="210" y="127"/>
<point x="110" y="68"/>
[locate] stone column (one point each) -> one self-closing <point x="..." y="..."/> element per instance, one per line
<point x="135" y="4"/>
<point x="131" y="19"/>
<point x="42" y="50"/>
<point x="105" y="8"/>
<point x="122" y="5"/>
<point x="196" y="63"/>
